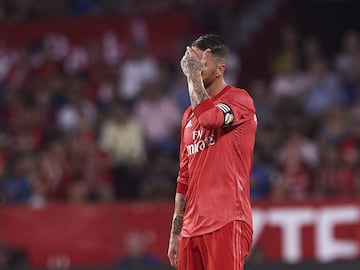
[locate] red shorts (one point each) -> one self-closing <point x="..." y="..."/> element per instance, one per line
<point x="225" y="248"/>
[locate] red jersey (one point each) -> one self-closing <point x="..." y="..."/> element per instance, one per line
<point x="216" y="156"/>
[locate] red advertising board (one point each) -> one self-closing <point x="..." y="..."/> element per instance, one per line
<point x="320" y="230"/>
<point x="96" y="234"/>
<point x="85" y="235"/>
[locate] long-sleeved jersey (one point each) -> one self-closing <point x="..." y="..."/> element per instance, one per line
<point x="216" y="156"/>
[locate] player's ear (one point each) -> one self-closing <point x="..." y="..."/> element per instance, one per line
<point x="220" y="70"/>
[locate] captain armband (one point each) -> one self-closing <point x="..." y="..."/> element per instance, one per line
<point x="228" y="114"/>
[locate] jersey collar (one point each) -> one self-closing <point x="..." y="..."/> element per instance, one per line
<point x="223" y="91"/>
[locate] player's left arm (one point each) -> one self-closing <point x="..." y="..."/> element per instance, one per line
<point x="215" y="115"/>
<point x="232" y="111"/>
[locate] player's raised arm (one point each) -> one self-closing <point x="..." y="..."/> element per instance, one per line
<point x="192" y="67"/>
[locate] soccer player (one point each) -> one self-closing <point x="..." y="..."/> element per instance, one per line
<point x="212" y="222"/>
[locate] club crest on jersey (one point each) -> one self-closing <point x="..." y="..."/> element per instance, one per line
<point x="228" y="114"/>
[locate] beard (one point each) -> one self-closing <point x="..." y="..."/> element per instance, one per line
<point x="208" y="81"/>
<point x="209" y="78"/>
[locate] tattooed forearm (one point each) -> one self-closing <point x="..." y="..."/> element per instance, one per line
<point x="192" y="66"/>
<point x="196" y="90"/>
<point x="177" y="225"/>
<point x="177" y="222"/>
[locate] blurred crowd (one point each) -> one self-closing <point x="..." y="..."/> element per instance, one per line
<point x="308" y="143"/>
<point x="87" y="130"/>
<point x="89" y="127"/>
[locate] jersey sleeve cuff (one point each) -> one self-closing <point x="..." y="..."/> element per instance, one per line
<point x="203" y="107"/>
<point x="181" y="188"/>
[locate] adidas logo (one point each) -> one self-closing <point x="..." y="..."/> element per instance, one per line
<point x="189" y="124"/>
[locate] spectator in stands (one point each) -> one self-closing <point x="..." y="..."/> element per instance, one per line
<point x="76" y="110"/>
<point x="335" y="177"/>
<point x="297" y="158"/>
<point x="289" y="82"/>
<point x="324" y="89"/>
<point x="347" y="64"/>
<point x="333" y="126"/>
<point x="288" y="48"/>
<point x="263" y="100"/>
<point x="350" y="151"/>
<point x="137" y="69"/>
<point x="157" y="182"/>
<point x="19" y="72"/>
<point x="348" y="60"/>
<point x="83" y="7"/>
<point x="54" y="172"/>
<point x="16" y="183"/>
<point x="122" y="137"/>
<point x="159" y="117"/>
<point x="311" y="50"/>
<point x="260" y="185"/>
<point x="90" y="166"/>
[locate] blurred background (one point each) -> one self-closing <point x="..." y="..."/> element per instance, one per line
<point x="91" y="98"/>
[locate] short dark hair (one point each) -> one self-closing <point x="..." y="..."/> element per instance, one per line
<point x="213" y="42"/>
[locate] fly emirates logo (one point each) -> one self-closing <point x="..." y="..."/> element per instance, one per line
<point x="199" y="143"/>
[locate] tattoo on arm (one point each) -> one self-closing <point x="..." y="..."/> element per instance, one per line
<point x="179" y="214"/>
<point x="192" y="67"/>
<point x="197" y="90"/>
<point x="177" y="225"/>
